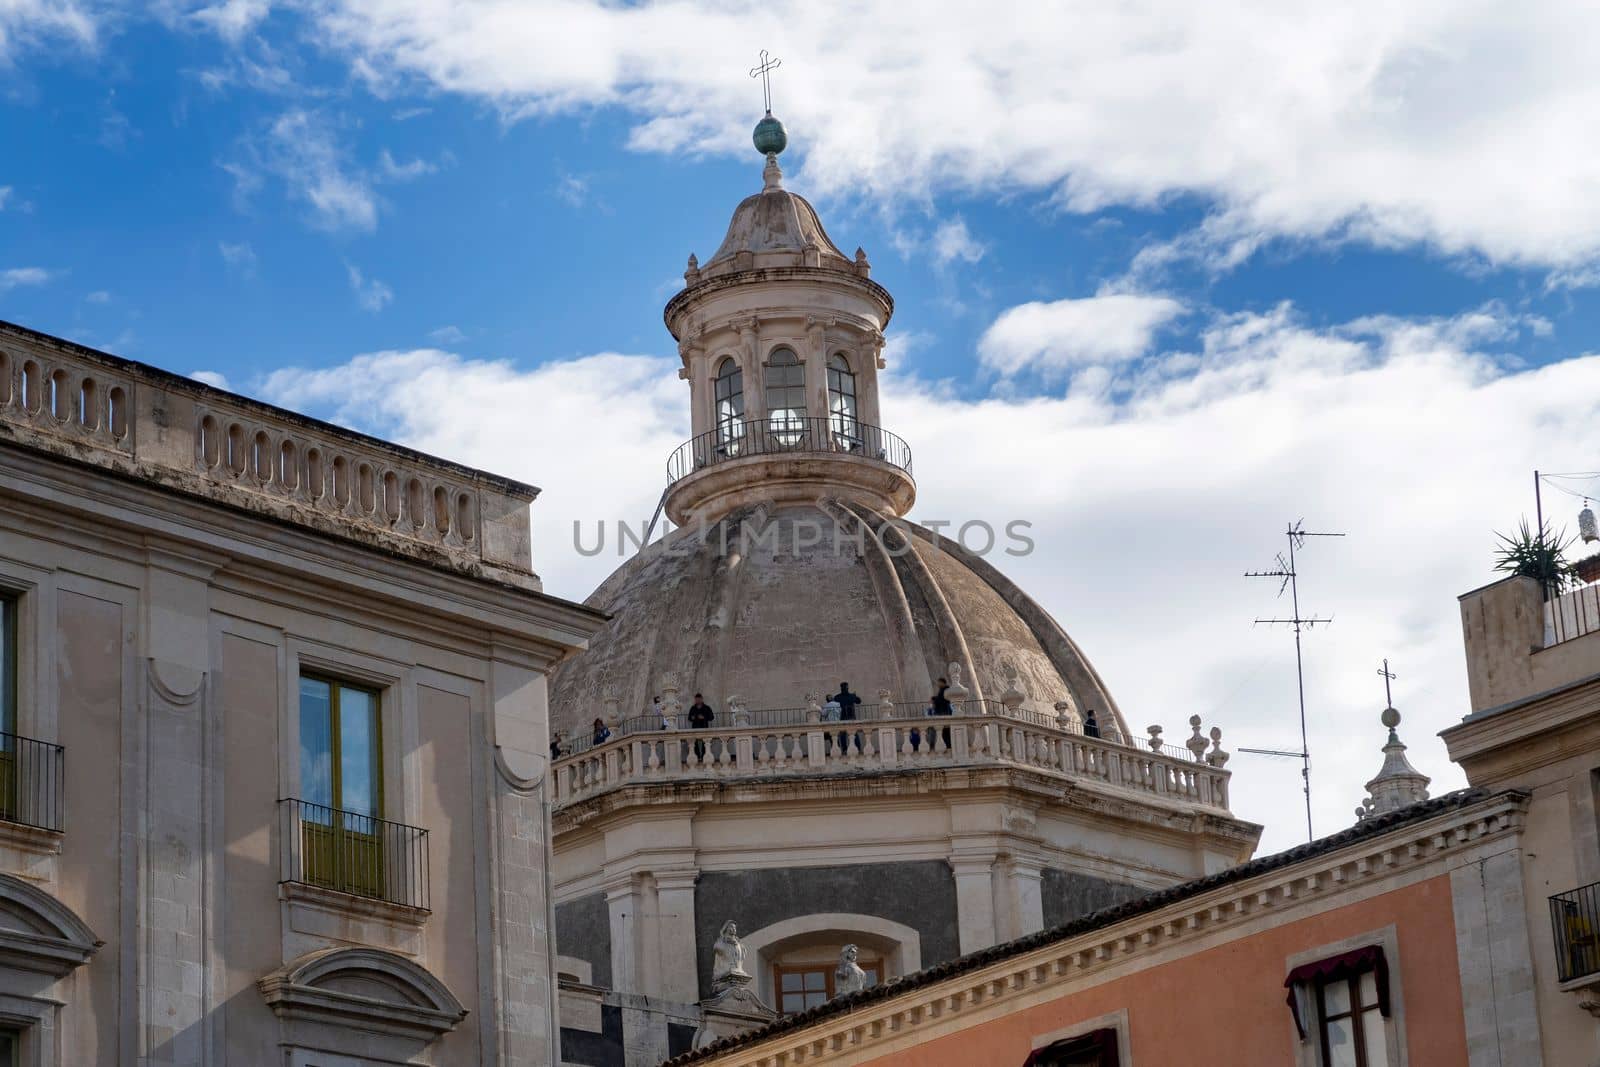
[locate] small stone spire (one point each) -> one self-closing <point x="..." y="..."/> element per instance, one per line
<point x="1398" y="783"/>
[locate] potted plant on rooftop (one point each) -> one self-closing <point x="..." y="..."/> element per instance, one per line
<point x="1541" y="556"/>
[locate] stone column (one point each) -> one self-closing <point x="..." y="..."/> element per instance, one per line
<point x="674" y="922"/>
<point x="1024" y="897"/>
<point x="755" y="392"/>
<point x="815" y="358"/>
<point x="867" y="360"/>
<point x="624" y="899"/>
<point x="975" y="912"/>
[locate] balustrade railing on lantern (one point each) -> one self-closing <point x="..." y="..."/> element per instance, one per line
<point x="779" y="435"/>
<point x="765" y="745"/>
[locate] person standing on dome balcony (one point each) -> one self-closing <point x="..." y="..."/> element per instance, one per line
<point x="847" y="702"/>
<point x="1091" y="728"/>
<point x="939" y="704"/>
<point x="602" y="732"/>
<point x="701" y="716"/>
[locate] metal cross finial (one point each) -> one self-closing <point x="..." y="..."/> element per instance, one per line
<point x="764" y="70"/>
<point x="1388" y="676"/>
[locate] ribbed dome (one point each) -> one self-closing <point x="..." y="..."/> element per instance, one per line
<point x="769" y="625"/>
<point x="776" y="222"/>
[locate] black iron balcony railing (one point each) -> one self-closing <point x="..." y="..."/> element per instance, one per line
<point x="31" y="777"/>
<point x="1575" y="921"/>
<point x="356" y="854"/>
<point x="836" y="434"/>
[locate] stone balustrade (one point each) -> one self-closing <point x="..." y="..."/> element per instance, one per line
<point x="111" y="412"/>
<point x="814" y="748"/>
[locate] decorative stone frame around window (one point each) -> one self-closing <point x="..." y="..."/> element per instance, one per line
<point x="1309" y="1050"/>
<point x="1116" y="1021"/>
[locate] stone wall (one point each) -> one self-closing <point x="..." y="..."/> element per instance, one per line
<point x="1069" y="895"/>
<point x="583" y="931"/>
<point x="921" y="895"/>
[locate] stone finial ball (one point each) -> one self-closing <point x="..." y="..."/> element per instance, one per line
<point x="1390" y="718"/>
<point x="770" y="137"/>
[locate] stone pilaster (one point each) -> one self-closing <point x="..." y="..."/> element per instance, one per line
<point x="174" y="923"/>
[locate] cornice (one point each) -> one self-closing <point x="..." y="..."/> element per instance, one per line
<point x="874" y="1019"/>
<point x="1528" y="734"/>
<point x="680" y="303"/>
<point x="276" y="560"/>
<point x="1004" y="782"/>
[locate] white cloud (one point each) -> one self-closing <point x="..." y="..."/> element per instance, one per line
<point x="447" y="335"/>
<point x="99" y="296"/>
<point x="211" y="378"/>
<point x="12" y="277"/>
<point x="392" y="171"/>
<point x="371" y="294"/>
<point x="5" y="196"/>
<point x="301" y="148"/>
<point x="1054" y="337"/>
<point x="232" y="20"/>
<point x="572" y="189"/>
<point x="1465" y="126"/>
<point x="30" y="23"/>
<point x="952" y="241"/>
<point x="1148" y="503"/>
<point x="239" y="257"/>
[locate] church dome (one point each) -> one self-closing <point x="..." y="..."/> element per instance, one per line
<point x="777" y="601"/>
<point x="777" y="228"/>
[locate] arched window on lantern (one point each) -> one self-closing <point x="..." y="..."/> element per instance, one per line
<point x="842" y="404"/>
<point x="786" y="398"/>
<point x="728" y="391"/>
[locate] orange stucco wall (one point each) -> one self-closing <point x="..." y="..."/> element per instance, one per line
<point x="1224" y="1007"/>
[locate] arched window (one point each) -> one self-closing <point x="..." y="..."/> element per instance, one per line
<point x="786" y="397"/>
<point x="728" y="388"/>
<point x="842" y="404"/>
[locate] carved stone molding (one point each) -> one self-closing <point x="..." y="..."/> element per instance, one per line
<point x="178" y="686"/>
<point x="39" y="933"/>
<point x="363" y="989"/>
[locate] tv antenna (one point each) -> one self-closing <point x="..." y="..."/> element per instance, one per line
<point x="1288" y="578"/>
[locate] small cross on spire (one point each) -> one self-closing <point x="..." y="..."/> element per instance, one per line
<point x="764" y="71"/>
<point x="1388" y="676"/>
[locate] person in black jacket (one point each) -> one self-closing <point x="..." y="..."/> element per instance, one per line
<point x="847" y="702"/>
<point x="939" y="704"/>
<point x="700" y="718"/>
<point x="1090" y="727"/>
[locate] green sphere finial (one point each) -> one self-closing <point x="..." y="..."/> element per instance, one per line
<point x="770" y="137"/>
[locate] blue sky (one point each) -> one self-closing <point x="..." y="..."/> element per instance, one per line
<point x="1165" y="277"/>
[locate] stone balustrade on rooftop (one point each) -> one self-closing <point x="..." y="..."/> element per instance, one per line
<point x="789" y="743"/>
<point x="93" y="408"/>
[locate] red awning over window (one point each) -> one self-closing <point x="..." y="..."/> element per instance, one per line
<point x="1345" y="965"/>
<point x="1097" y="1047"/>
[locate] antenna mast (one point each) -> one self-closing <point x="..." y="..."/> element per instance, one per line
<point x="1288" y="578"/>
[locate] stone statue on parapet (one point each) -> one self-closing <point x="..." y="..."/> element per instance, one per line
<point x="727" y="959"/>
<point x="733" y="1006"/>
<point x="848" y="977"/>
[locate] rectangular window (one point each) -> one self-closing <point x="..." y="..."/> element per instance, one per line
<point x="806" y="985"/>
<point x="10" y="1048"/>
<point x="341" y="785"/>
<point x="340" y="758"/>
<point x="1351" y="1022"/>
<point x="1340" y="1006"/>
